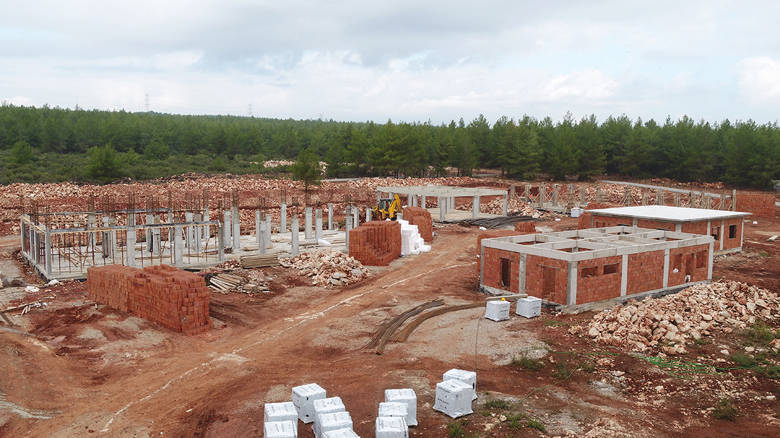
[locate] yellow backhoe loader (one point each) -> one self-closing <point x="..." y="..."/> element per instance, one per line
<point x="387" y="208"/>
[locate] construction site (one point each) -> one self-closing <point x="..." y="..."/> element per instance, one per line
<point x="434" y="307"/>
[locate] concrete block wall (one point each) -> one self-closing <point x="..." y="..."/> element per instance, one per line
<point x="760" y="204"/>
<point x="601" y="285"/>
<point x="375" y="243"/>
<point x="173" y="298"/>
<point x="422" y="218"/>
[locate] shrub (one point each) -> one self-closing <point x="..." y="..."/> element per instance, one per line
<point x="527" y="363"/>
<point x="725" y="410"/>
<point x="562" y="371"/>
<point x="497" y="403"/>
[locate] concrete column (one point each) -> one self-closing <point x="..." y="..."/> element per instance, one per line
<point x="722" y="204"/>
<point x="368" y="214"/>
<point x="259" y="231"/>
<point x="452" y="204"/>
<point x="709" y="262"/>
<point x="189" y="238"/>
<point x="205" y="234"/>
<point x="283" y="218"/>
<point x="47" y="252"/>
<point x="709" y="227"/>
<point x="348" y="227"/>
<point x="268" y="227"/>
<point x="330" y="216"/>
<point x="521" y="274"/>
<point x="220" y="237"/>
<point x="178" y="246"/>
<point x="307" y="224"/>
<point x="131" y="238"/>
<point x="678" y="227"/>
<point x="512" y="190"/>
<point x="22" y="233"/>
<point x="107" y="246"/>
<point x="356" y="217"/>
<point x="556" y="191"/>
<point x="294" y="236"/>
<point x="227" y="228"/>
<point x="666" y="268"/>
<point x="318" y="225"/>
<point x="92" y="236"/>
<point x="624" y="275"/>
<point x="196" y="234"/>
<point x="676" y="199"/>
<point x="422" y="201"/>
<point x="659" y="197"/>
<point x="157" y="239"/>
<point x="261" y="235"/>
<point x="149" y="220"/>
<point x="475" y="207"/>
<point x="723" y="233"/>
<point x="571" y="284"/>
<point x="170" y="230"/>
<point x="741" y="232"/>
<point x="505" y="207"/>
<point x="527" y="192"/>
<point x="236" y="229"/>
<point x="708" y="202"/>
<point x="734" y="200"/>
<point x="442" y="208"/>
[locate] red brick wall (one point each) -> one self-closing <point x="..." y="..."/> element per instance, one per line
<point x="163" y="294"/>
<point x="645" y="272"/>
<point x="655" y="225"/>
<point x="760" y="204"/>
<point x="375" y="243"/>
<point x="687" y="258"/>
<point x="422" y="218"/>
<point x="491" y="275"/>
<point x="534" y="278"/>
<point x="608" y="221"/>
<point x="729" y="243"/>
<point x="601" y="286"/>
<point x="583" y="222"/>
<point x="526" y="227"/>
<point x="695" y="227"/>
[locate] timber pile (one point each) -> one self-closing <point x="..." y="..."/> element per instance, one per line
<point x="670" y="322"/>
<point x="326" y="268"/>
<point x="239" y="280"/>
<point x="259" y="261"/>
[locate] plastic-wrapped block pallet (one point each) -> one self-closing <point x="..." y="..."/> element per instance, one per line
<point x="467" y="377"/>
<point x="303" y="398"/>
<point x="497" y="310"/>
<point x="280" y="429"/>
<point x="393" y="409"/>
<point x="407" y="396"/>
<point x="280" y="412"/>
<point x="326" y="406"/>
<point x="332" y="421"/>
<point x="340" y="433"/>
<point x="529" y="307"/>
<point x="391" y="427"/>
<point x="453" y="397"/>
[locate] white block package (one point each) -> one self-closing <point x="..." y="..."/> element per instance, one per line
<point x="497" y="310"/>
<point x="407" y="396"/>
<point x="332" y="421"/>
<point x="393" y="409"/>
<point x="340" y="433"/>
<point x="529" y="307"/>
<point x="303" y="398"/>
<point x="281" y="429"/>
<point x="326" y="406"/>
<point x="280" y="412"/>
<point x="453" y="397"/>
<point x="467" y="377"/>
<point x="391" y="427"/>
<point x="411" y="241"/>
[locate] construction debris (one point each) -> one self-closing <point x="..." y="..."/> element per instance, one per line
<point x="669" y="323"/>
<point x="327" y="268"/>
<point x="240" y="280"/>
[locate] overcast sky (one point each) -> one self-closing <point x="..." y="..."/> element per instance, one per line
<point x="406" y="60"/>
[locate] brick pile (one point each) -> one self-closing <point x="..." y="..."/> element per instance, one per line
<point x="422" y="218"/>
<point x="760" y="204"/>
<point x="375" y="243"/>
<point x="171" y="297"/>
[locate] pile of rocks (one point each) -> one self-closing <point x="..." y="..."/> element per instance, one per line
<point x="327" y="268"/>
<point x="671" y="322"/>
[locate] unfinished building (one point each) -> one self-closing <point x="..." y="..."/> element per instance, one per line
<point x="583" y="266"/>
<point x="446" y="196"/>
<point x="724" y="226"/>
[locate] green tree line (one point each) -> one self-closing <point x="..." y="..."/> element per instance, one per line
<point x="53" y="144"/>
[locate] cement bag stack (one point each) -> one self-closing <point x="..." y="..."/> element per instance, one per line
<point x="453" y="398"/>
<point x="407" y="396"/>
<point x="497" y="310"/>
<point x="325" y="406"/>
<point x="411" y="241"/>
<point x="280" y="420"/>
<point x="529" y="307"/>
<point x="280" y="429"/>
<point x="340" y="433"/>
<point x="391" y="427"/>
<point x="467" y="377"/>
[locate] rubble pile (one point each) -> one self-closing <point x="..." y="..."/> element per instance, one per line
<point x="496" y="206"/>
<point x="671" y="322"/>
<point x="327" y="268"/>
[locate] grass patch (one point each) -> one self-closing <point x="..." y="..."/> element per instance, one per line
<point x="527" y="363"/>
<point x="725" y="410"/>
<point x="702" y="341"/>
<point x="760" y="333"/>
<point x="497" y="403"/>
<point x="536" y="424"/>
<point x="555" y="323"/>
<point x="743" y="360"/>
<point x="562" y="371"/>
<point x="457" y="429"/>
<point x="763" y="254"/>
<point x="587" y="366"/>
<point x="521" y="420"/>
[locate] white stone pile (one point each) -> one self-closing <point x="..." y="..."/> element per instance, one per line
<point x="326" y="268"/>
<point x="671" y="322"/>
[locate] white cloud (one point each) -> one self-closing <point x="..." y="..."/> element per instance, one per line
<point x="759" y="79"/>
<point x="587" y="84"/>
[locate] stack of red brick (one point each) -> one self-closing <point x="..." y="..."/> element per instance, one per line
<point x="422" y="218"/>
<point x="171" y="297"/>
<point x="375" y="243"/>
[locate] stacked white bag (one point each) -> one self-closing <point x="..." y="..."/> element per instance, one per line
<point x="411" y="241"/>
